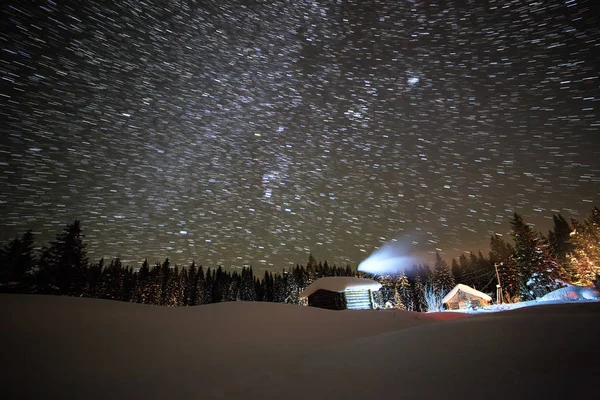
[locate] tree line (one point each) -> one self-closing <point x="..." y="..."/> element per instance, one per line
<point x="529" y="267"/>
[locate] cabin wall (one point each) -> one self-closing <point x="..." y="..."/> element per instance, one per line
<point x="462" y="300"/>
<point x="327" y="299"/>
<point x="358" y="299"/>
<point x="351" y="300"/>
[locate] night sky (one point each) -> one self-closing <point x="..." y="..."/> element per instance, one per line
<point x="255" y="132"/>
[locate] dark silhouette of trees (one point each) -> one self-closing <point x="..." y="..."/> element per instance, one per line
<point x="529" y="269"/>
<point x="17" y="258"/>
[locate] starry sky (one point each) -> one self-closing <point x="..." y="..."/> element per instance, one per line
<point x="255" y="132"/>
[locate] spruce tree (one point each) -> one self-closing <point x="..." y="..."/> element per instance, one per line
<point x="165" y="271"/>
<point x="247" y="289"/>
<point x="129" y="283"/>
<point x="93" y="287"/>
<point x="311" y="268"/>
<point x="191" y="295"/>
<point x="172" y="287"/>
<point x="404" y="290"/>
<point x="443" y="281"/>
<point x="112" y="280"/>
<point x="559" y="239"/>
<point x="182" y="288"/>
<point x="154" y="287"/>
<point x="201" y="292"/>
<point x="537" y="271"/>
<point x="17" y="258"/>
<point x="457" y="271"/>
<point x="584" y="259"/>
<point x="419" y="294"/>
<point x="267" y="287"/>
<point x="140" y="293"/>
<point x="63" y="264"/>
<point x="503" y="256"/>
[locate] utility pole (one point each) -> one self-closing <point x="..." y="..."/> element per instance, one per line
<point x="498" y="287"/>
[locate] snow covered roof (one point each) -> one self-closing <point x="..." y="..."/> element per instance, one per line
<point x="340" y="284"/>
<point x="466" y="289"/>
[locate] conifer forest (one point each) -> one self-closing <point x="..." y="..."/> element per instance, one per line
<point x="529" y="264"/>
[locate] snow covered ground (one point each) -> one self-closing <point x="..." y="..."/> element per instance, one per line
<point x="74" y="348"/>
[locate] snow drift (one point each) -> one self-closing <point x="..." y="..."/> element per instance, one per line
<point x="571" y="293"/>
<point x="73" y="348"/>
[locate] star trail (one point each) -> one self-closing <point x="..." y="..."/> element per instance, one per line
<point x="255" y="132"/>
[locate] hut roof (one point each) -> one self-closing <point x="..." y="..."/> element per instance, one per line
<point x="466" y="289"/>
<point x="340" y="284"/>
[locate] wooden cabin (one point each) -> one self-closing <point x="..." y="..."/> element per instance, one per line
<point x="464" y="297"/>
<point x="341" y="293"/>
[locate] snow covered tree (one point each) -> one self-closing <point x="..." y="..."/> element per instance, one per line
<point x="538" y="272"/>
<point x="584" y="258"/>
<point x="190" y="292"/>
<point x="203" y="291"/>
<point x="267" y="287"/>
<point x="171" y="295"/>
<point x="163" y="278"/>
<point x="403" y="288"/>
<point x="206" y="286"/>
<point x="140" y="290"/>
<point x="247" y="289"/>
<point x="112" y="280"/>
<point x="182" y="288"/>
<point x="311" y="268"/>
<point x="153" y="290"/>
<point x="502" y="255"/>
<point x="443" y="281"/>
<point x="388" y="296"/>
<point x="418" y="295"/>
<point x="433" y="299"/>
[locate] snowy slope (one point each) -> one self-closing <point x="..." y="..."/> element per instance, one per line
<point x="71" y="348"/>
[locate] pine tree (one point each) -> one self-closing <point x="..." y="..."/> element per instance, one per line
<point x="419" y="294"/>
<point x="142" y="287"/>
<point x="559" y="239"/>
<point x="457" y="271"/>
<point x="503" y="256"/>
<point x="387" y="296"/>
<point x="182" y="288"/>
<point x="537" y="271"/>
<point x="247" y="289"/>
<point x="93" y="286"/>
<point x="311" y="268"/>
<point x="267" y="287"/>
<point x="443" y="281"/>
<point x="191" y="294"/>
<point x="208" y="286"/>
<point x="584" y="259"/>
<point x="165" y="271"/>
<point x="129" y="283"/>
<point x="112" y="280"/>
<point x="403" y="288"/>
<point x="17" y="258"/>
<point x="63" y="264"/>
<point x="153" y="290"/>
<point x="202" y="292"/>
<point x="172" y="289"/>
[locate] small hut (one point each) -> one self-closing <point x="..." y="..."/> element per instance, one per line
<point x="463" y="297"/>
<point x="341" y="293"/>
